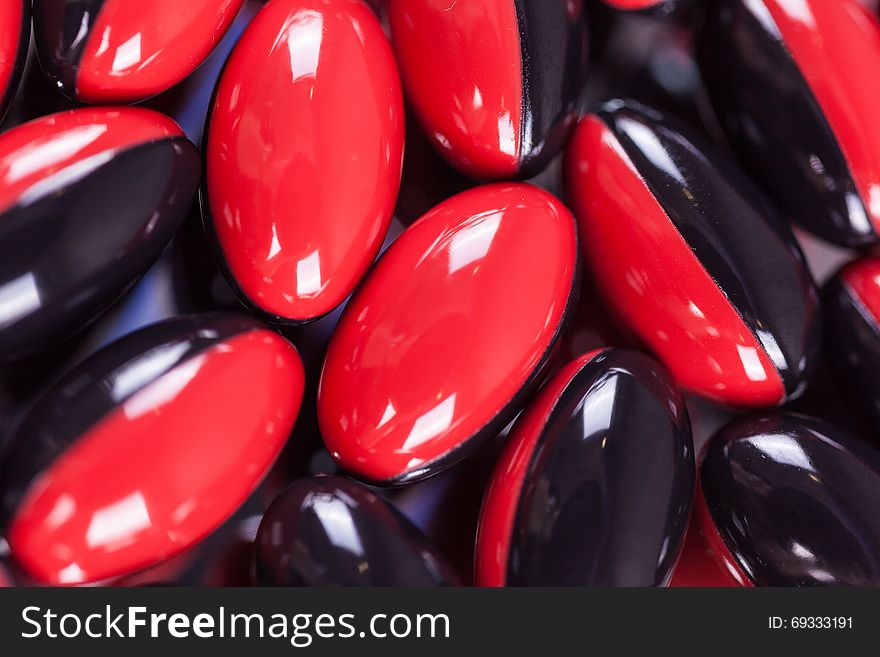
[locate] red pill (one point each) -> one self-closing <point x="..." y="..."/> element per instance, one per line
<point x="118" y="51"/>
<point x="305" y="144"/>
<point x="147" y="446"/>
<point x="437" y="348"/>
<point x="494" y="82"/>
<point x="692" y="258"/>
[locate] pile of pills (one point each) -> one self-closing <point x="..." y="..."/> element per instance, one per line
<point x="439" y="292"/>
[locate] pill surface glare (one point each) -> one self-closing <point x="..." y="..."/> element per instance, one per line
<point x="147" y="446"/>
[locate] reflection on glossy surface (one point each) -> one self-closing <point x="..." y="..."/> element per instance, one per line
<point x="147" y="446"/>
<point x="115" y="51"/>
<point x="448" y="330"/>
<point x="89" y="198"/>
<point x="494" y="83"/>
<point x="14" y="38"/>
<point x="155" y="297"/>
<point x="786" y="81"/>
<point x="692" y="258"/>
<point x="305" y="145"/>
<point x="463" y="72"/>
<point x="594" y="486"/>
<point x="330" y="531"/>
<point x="851" y="302"/>
<point x="34" y="157"/>
<point x="795" y="501"/>
<point x="740" y="240"/>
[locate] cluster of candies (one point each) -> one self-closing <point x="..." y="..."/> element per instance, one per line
<point x="471" y="371"/>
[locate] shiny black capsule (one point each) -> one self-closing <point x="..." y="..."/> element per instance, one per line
<point x="792" y="85"/>
<point x="795" y="501"/>
<point x="121" y="52"/>
<point x="191" y="412"/>
<point x="595" y="483"/>
<point x="330" y="531"/>
<point x="693" y="257"/>
<point x="88" y="200"/>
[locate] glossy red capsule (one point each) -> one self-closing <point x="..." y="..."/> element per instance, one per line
<point x="595" y="482"/>
<point x="787" y="82"/>
<point x="851" y="306"/>
<point x="147" y="446"/>
<point x="118" y="51"/>
<point x="791" y="501"/>
<point x="330" y="531"/>
<point x="692" y="258"/>
<point x="450" y="330"/>
<point x="15" y="35"/>
<point x="494" y="82"/>
<point x="305" y="144"/>
<point x="88" y="200"/>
